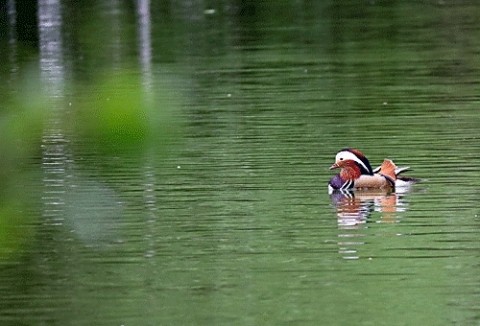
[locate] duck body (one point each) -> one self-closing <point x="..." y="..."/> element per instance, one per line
<point x="357" y="173"/>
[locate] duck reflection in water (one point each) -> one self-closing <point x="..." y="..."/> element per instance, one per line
<point x="353" y="208"/>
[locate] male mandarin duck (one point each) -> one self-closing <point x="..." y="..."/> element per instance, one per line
<point x="357" y="173"/>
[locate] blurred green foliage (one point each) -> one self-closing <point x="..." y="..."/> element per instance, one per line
<point x="22" y="121"/>
<point x="116" y="115"/>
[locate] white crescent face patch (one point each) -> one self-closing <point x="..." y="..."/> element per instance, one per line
<point x="346" y="155"/>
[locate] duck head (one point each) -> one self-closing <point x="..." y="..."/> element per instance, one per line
<point x="352" y="154"/>
<point x="349" y="169"/>
<point x="346" y="178"/>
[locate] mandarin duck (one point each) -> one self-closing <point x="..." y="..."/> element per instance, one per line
<point x="357" y="173"/>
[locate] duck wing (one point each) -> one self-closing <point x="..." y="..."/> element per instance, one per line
<point x="398" y="169"/>
<point x="388" y="169"/>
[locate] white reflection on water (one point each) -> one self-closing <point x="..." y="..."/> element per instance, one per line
<point x="150" y="177"/>
<point x="354" y="208"/>
<point x="52" y="70"/>
<point x="145" y="42"/>
<point x="12" y="36"/>
<point x="51" y="47"/>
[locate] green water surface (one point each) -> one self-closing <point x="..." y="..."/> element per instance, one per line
<point x="178" y="173"/>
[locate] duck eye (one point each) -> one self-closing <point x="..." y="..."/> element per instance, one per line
<point x="341" y="158"/>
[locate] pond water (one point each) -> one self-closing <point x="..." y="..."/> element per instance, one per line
<point x="224" y="218"/>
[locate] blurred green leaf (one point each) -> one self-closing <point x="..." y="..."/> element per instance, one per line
<point x="117" y="115"/>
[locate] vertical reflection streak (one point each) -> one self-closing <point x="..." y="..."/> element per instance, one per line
<point x="150" y="179"/>
<point x="52" y="73"/>
<point x="145" y="44"/>
<point x="12" y="36"/>
<point x="145" y="50"/>
<point x="114" y="20"/>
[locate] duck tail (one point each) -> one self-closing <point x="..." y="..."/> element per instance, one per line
<point x="401" y="169"/>
<point x="388" y="169"/>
